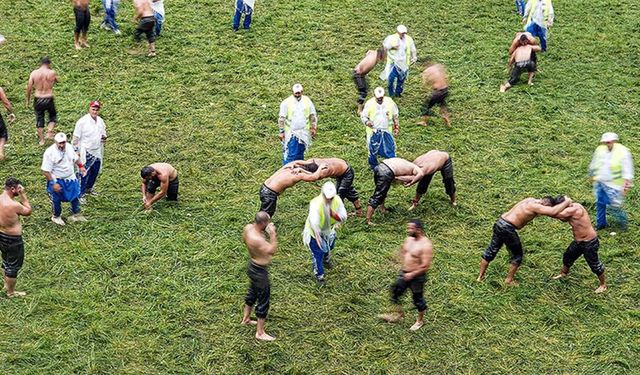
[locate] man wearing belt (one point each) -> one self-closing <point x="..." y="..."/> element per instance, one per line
<point x="371" y="58"/>
<point x="89" y="136"/>
<point x="378" y="114"/>
<point x="611" y="171"/>
<point x="11" y="244"/>
<point x="504" y="230"/>
<point x="401" y="52"/>
<point x="4" y="134"/>
<point x="260" y="251"/>
<point x="319" y="233"/>
<point x="297" y="121"/>
<point x="430" y="163"/>
<point x="159" y="175"/>
<point x="62" y="185"/>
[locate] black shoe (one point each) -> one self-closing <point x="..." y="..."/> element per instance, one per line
<point x="320" y="281"/>
<point x="328" y="264"/>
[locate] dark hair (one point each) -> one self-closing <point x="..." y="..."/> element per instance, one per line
<point x="554" y="201"/>
<point x="381" y="52"/>
<point x="311" y="167"/>
<point x="262" y="217"/>
<point x="523" y="38"/>
<point x="146" y="172"/>
<point x="11" y="182"/>
<point x="45" y="61"/>
<point x="417" y="223"/>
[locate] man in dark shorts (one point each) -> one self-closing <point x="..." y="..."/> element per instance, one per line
<point x="430" y="163"/>
<point x="521" y="60"/>
<point x="505" y="231"/>
<point x="415" y="255"/>
<point x="43" y="79"/>
<point x="146" y="24"/>
<point x="435" y="77"/>
<point x="261" y="252"/>
<point x="159" y="175"/>
<point x="384" y="174"/>
<point x="4" y="134"/>
<point x="370" y="60"/>
<point x="585" y="243"/>
<point x="83" y="19"/>
<point x="11" y="244"/>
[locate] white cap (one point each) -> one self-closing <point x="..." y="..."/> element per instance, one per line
<point x="60" y="137"/>
<point x="402" y="29"/>
<point x="609" y="137"/>
<point x="296" y="88"/>
<point x="329" y="190"/>
<point x="378" y="92"/>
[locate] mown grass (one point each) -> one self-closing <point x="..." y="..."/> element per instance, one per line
<point x="162" y="293"/>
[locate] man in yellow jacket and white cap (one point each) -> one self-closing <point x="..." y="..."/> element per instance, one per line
<point x="611" y="171"/>
<point x="298" y="123"/>
<point x="319" y="233"/>
<point x="401" y="52"/>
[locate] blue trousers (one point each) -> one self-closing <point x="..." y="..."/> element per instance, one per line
<point x="241" y="8"/>
<point x="611" y="198"/>
<point x="93" y="169"/>
<point x="159" y="21"/>
<point x="540" y="32"/>
<point x="381" y="144"/>
<point x="520" y="5"/>
<point x="400" y="76"/>
<point x="70" y="193"/>
<point x="110" y="10"/>
<point x="293" y="150"/>
<point x="320" y="256"/>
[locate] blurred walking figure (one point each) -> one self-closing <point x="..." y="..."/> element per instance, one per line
<point x="83" y="19"/>
<point x="538" y="19"/>
<point x="243" y="7"/>
<point x="401" y="53"/>
<point x="43" y="79"/>
<point x="435" y="77"/>
<point x="110" y="12"/>
<point x="4" y="134"/>
<point x="146" y="24"/>
<point x="370" y="60"/>
<point x="298" y="124"/>
<point x="158" y="13"/>
<point x="520" y="5"/>
<point x="611" y="171"/>
<point x="89" y="137"/>
<point x="378" y="114"/>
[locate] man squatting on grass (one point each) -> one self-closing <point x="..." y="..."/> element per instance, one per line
<point x="504" y="230"/>
<point x="162" y="175"/>
<point x="146" y="24"/>
<point x="43" y="80"/>
<point x="415" y="255"/>
<point x="384" y="174"/>
<point x="434" y="76"/>
<point x="370" y="60"/>
<point x="284" y="178"/>
<point x="585" y="242"/>
<point x="11" y="243"/>
<point x="4" y="134"/>
<point x="83" y="19"/>
<point x="430" y="163"/>
<point x="341" y="171"/>
<point x="261" y="251"/>
<point x="523" y="58"/>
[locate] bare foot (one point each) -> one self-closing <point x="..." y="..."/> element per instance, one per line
<point x="511" y="283"/>
<point x="416" y="326"/>
<point x="454" y="203"/>
<point x="77" y="46"/>
<point x="390" y="318"/>
<point x="41" y="143"/>
<point x="480" y="278"/>
<point x="22" y="294"/>
<point x="421" y="123"/>
<point x="601" y="289"/>
<point x="530" y="83"/>
<point x="153" y="54"/>
<point x="559" y="276"/>
<point x="85" y="44"/>
<point x="357" y="213"/>
<point x="264" y="337"/>
<point x="249" y="321"/>
<point x="414" y="204"/>
<point x="371" y="223"/>
<point x="503" y="88"/>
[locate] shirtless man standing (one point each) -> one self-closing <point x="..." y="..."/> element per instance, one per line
<point x="384" y="174"/>
<point x="146" y="24"/>
<point x="415" y="254"/>
<point x="83" y="19"/>
<point x="4" y="134"/>
<point x="43" y="80"/>
<point x="341" y="171"/>
<point x="504" y="230"/>
<point x="521" y="59"/>
<point x="370" y="60"/>
<point x="261" y="251"/>
<point x="161" y="175"/>
<point x="435" y="76"/>
<point x="284" y="178"/>
<point x="11" y="243"/>
<point x="430" y="163"/>
<point x="585" y="243"/>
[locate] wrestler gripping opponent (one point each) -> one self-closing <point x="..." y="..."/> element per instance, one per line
<point x="585" y="242"/>
<point x="341" y="171"/>
<point x="384" y="174"/>
<point x="522" y="58"/>
<point x="261" y="251"/>
<point x="504" y="230"/>
<point x="11" y="244"/>
<point x="162" y="175"/>
<point x="430" y="163"/>
<point x="43" y="80"/>
<point x="434" y="76"/>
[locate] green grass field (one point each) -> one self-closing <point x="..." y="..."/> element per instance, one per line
<point x="162" y="293"/>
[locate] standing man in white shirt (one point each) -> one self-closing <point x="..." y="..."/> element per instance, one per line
<point x="62" y="184"/>
<point x="611" y="171"/>
<point x="379" y="112"/>
<point x="319" y="233"/>
<point x="298" y="123"/>
<point x="89" y="137"/>
<point x="401" y="52"/>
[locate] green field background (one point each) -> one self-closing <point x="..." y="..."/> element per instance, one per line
<point x="161" y="293"/>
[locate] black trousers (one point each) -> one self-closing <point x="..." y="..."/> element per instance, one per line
<point x="172" y="192"/>
<point x="83" y="19"/>
<point x="519" y="68"/>
<point x="146" y="26"/>
<point x="417" y="287"/>
<point x="438" y="97"/>
<point x="383" y="176"/>
<point x="590" y="251"/>
<point x="447" y="179"/>
<point x="259" y="289"/>
<point x="345" y="185"/>
<point x="504" y="233"/>
<point x="268" y="200"/>
<point x="362" y="85"/>
<point x="12" y="248"/>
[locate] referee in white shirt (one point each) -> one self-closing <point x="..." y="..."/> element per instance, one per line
<point x="88" y="139"/>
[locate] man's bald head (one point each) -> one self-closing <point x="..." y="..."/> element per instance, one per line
<point x="262" y="218"/>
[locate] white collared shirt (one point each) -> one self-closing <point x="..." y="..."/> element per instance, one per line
<point x="89" y="133"/>
<point x="60" y="163"/>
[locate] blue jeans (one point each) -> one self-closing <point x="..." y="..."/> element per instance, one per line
<point x="520" y="5"/>
<point x="294" y="150"/>
<point x="540" y="32"/>
<point x="110" y="10"/>
<point x="611" y="198"/>
<point x="93" y="169"/>
<point x="320" y="256"/>
<point x="381" y="144"/>
<point x="159" y="21"/>
<point x="394" y="74"/>
<point x="241" y="8"/>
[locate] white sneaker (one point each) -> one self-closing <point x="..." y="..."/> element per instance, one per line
<point x="104" y="26"/>
<point x="117" y="32"/>
<point x="93" y="193"/>
<point x="77" y="218"/>
<point x="83" y="200"/>
<point x="57" y="219"/>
